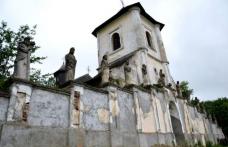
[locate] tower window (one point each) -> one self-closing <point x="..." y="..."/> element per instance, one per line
<point x="148" y="38"/>
<point x="116" y="41"/>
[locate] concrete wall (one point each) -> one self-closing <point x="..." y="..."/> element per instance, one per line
<point x="4" y="103"/>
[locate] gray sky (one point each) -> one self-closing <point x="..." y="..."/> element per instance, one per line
<point x="195" y="35"/>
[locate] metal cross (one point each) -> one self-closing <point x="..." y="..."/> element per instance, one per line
<point x="88" y="69"/>
<point x="122" y="2"/>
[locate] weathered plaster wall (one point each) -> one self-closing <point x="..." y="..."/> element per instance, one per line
<point x="22" y="136"/>
<point x="95" y="110"/>
<point x="4" y="103"/>
<point x="48" y="109"/>
<point x="108" y="117"/>
<point x="19" y="95"/>
<point x="147" y="112"/>
<point x="126" y="120"/>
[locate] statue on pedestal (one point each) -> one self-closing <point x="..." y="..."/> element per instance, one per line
<point x="128" y="73"/>
<point x="145" y="75"/>
<point x="179" y="94"/>
<point x="67" y="71"/>
<point x="161" y="80"/>
<point x="22" y="61"/>
<point x="70" y="65"/>
<point x="104" y="70"/>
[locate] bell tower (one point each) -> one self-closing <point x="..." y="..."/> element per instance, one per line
<point x="133" y="35"/>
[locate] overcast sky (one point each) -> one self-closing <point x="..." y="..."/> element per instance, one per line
<point x="195" y="35"/>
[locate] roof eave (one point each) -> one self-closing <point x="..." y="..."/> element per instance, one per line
<point x="121" y="12"/>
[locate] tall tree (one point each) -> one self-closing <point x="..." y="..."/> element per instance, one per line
<point x="219" y="109"/>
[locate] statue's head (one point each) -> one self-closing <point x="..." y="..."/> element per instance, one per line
<point x="144" y="66"/>
<point x="127" y="62"/>
<point x="27" y="40"/>
<point x="178" y="82"/>
<point x="72" y="50"/>
<point x="105" y="57"/>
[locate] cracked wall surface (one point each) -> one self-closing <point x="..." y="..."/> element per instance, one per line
<point x="111" y="116"/>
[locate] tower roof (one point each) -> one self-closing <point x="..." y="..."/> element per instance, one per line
<point x="124" y="10"/>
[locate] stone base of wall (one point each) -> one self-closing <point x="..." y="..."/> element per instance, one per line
<point x="18" y="135"/>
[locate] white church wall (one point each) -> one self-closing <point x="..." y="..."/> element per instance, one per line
<point x="123" y="26"/>
<point x="150" y="27"/>
<point x="154" y="65"/>
<point x="132" y="36"/>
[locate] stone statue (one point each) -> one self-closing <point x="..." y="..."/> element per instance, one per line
<point x="128" y="73"/>
<point x="70" y="65"/>
<point x="179" y="94"/>
<point x="145" y="75"/>
<point x="22" y="61"/>
<point x="111" y="78"/>
<point x="161" y="80"/>
<point x="104" y="70"/>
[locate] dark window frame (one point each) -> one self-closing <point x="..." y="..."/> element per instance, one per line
<point x="149" y="39"/>
<point x="116" y="43"/>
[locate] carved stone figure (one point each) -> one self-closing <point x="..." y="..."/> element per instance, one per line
<point x="70" y="65"/>
<point x="22" y="61"/>
<point x="111" y="78"/>
<point x="128" y="73"/>
<point x="104" y="70"/>
<point x="179" y="94"/>
<point x="161" y="80"/>
<point x="145" y="75"/>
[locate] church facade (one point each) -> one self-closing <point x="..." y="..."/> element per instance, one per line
<point x="132" y="102"/>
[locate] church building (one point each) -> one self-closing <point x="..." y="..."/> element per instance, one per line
<point x="133" y="101"/>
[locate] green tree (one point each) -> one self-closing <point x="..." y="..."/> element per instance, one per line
<point x="46" y="79"/>
<point x="8" y="48"/>
<point x="219" y="109"/>
<point x="185" y="90"/>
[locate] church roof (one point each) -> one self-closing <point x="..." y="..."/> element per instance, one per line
<point x="61" y="69"/>
<point x="124" y="10"/>
<point x="83" y="79"/>
<point x="121" y="60"/>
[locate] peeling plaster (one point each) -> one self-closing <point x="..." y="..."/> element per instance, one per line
<point x="148" y="125"/>
<point x="103" y="115"/>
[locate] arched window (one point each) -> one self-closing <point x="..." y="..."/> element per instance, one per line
<point x="116" y="41"/>
<point x="148" y="38"/>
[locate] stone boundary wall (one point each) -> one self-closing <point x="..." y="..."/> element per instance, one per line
<point x="87" y="116"/>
